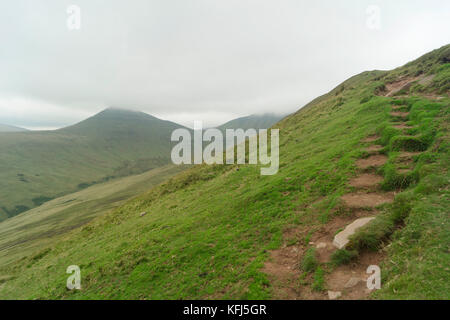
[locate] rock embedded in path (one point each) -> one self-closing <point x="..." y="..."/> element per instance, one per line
<point x="321" y="245"/>
<point x="402" y="126"/>
<point x="333" y="295"/>
<point x="342" y="238"/>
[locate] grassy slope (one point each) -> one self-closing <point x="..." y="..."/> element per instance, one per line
<point x="24" y="234"/>
<point x="36" y="166"/>
<point x="418" y="257"/>
<point x="208" y="230"/>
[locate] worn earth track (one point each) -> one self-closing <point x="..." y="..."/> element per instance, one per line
<point x="346" y="281"/>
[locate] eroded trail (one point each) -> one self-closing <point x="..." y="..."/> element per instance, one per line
<point x="349" y="281"/>
<point x="362" y="204"/>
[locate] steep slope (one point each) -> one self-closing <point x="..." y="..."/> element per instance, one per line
<point x="8" y="128"/>
<point x="38" y="166"/>
<point x="219" y="232"/>
<point x="255" y="121"/>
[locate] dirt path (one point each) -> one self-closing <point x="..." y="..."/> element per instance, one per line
<point x="283" y="267"/>
<point x="402" y="126"/>
<point x="375" y="148"/>
<point x="366" y="180"/>
<point x="375" y="160"/>
<point x="348" y="281"/>
<point x="400" y="114"/>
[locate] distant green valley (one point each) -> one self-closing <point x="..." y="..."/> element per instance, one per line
<point x="37" y="166"/>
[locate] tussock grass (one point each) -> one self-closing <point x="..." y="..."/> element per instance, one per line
<point x="407" y="143"/>
<point x="309" y="262"/>
<point x="319" y="280"/>
<point x="343" y="256"/>
<point x="393" y="180"/>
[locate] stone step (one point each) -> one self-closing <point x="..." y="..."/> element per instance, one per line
<point x="371" y="138"/>
<point x="407" y="155"/>
<point x="333" y="295"/>
<point x="366" y="180"/>
<point x="402" y="126"/>
<point x="399" y="114"/>
<point x="398" y="107"/>
<point x="374" y="148"/>
<point x="366" y="200"/>
<point x="342" y="238"/>
<point x="372" y="161"/>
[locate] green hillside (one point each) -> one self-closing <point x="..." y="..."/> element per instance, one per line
<point x="37" y="166"/>
<point x="255" y="121"/>
<point x="219" y="232"/>
<point x="25" y="233"/>
<point x="8" y="128"/>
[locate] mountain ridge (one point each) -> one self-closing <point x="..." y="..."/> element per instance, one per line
<point x="41" y="165"/>
<point x="114" y="142"/>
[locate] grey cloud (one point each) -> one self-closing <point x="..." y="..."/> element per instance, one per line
<point x="214" y="59"/>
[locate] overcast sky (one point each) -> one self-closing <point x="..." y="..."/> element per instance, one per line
<point x="210" y="60"/>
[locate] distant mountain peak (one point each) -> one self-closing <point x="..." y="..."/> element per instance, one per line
<point x="114" y="119"/>
<point x="117" y="110"/>
<point x="114" y="114"/>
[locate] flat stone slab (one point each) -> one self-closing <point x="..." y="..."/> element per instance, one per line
<point x="333" y="295"/>
<point x="353" y="281"/>
<point x="321" y="245"/>
<point x="342" y="238"/>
